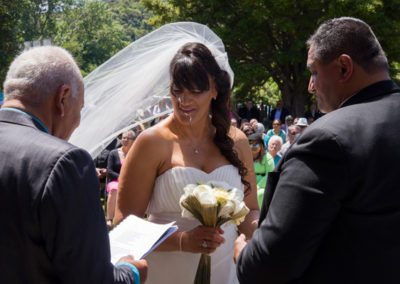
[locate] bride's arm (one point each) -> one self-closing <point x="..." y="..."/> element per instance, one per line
<point x="138" y="174"/>
<point x="244" y="152"/>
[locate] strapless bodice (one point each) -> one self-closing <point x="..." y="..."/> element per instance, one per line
<point x="169" y="186"/>
<point x="180" y="267"/>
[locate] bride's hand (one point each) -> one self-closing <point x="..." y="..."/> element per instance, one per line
<point x="202" y="239"/>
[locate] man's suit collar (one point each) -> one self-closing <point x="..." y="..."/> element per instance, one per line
<point x="17" y="118"/>
<point x="372" y="91"/>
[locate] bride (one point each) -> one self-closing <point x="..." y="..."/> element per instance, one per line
<point x="194" y="144"/>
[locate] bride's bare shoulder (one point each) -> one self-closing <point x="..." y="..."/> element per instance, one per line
<point x="240" y="142"/>
<point x="154" y="137"/>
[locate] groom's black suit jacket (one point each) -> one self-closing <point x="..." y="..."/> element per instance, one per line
<point x="331" y="211"/>
<point x="52" y="225"/>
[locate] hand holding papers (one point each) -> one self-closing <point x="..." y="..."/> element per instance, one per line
<point x="137" y="237"/>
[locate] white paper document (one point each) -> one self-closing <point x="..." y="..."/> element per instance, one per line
<point x="137" y="237"/>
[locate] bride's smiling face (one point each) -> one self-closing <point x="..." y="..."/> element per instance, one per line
<point x="196" y="79"/>
<point x="192" y="105"/>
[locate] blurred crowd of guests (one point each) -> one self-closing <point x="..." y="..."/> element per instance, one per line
<point x="271" y="135"/>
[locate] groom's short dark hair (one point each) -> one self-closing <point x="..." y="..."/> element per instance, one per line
<point x="349" y="36"/>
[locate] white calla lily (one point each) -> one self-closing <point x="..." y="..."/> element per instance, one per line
<point x="236" y="194"/>
<point x="220" y="197"/>
<point x="227" y="210"/>
<point x="189" y="189"/>
<point x="204" y="194"/>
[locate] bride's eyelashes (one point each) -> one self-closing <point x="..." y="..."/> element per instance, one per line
<point x="179" y="92"/>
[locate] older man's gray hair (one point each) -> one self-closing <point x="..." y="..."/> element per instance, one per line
<point x="36" y="74"/>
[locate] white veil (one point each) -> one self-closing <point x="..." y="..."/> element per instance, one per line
<point x="132" y="87"/>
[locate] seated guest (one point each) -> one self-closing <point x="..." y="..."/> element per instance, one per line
<point x="246" y="128"/>
<point x="274" y="146"/>
<point x="263" y="163"/>
<point x="253" y="124"/>
<point x="115" y="161"/>
<point x="256" y="126"/>
<point x="302" y="123"/>
<point x="288" y="121"/>
<point x="276" y="130"/>
<point x="101" y="166"/>
<point x="292" y="133"/>
<point x="260" y="128"/>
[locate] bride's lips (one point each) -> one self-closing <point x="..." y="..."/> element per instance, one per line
<point x="187" y="111"/>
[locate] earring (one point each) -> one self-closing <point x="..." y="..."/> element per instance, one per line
<point x="214" y="98"/>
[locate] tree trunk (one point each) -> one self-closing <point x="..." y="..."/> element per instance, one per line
<point x="295" y="99"/>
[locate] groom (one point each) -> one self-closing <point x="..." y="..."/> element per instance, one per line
<point x="331" y="211"/>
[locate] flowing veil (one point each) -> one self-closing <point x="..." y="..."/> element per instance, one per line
<point x="132" y="87"/>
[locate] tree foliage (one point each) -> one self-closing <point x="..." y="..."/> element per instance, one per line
<point x="133" y="17"/>
<point x="10" y="39"/>
<point x="23" y="21"/>
<point x="91" y="34"/>
<point x="266" y="39"/>
<point x="92" y="30"/>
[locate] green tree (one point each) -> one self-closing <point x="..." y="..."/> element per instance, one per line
<point x="95" y="30"/>
<point x="266" y="39"/>
<point x="9" y="36"/>
<point x="39" y="18"/>
<point x="26" y="20"/>
<point x="91" y="33"/>
<point x="133" y="17"/>
<point x="92" y="30"/>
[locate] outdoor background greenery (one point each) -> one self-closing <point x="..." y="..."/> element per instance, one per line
<point x="265" y="40"/>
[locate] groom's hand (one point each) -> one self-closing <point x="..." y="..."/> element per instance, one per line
<point x="240" y="243"/>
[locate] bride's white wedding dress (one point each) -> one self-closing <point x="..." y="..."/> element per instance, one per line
<point x="180" y="267"/>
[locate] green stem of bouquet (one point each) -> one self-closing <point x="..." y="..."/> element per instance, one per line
<point x="203" y="273"/>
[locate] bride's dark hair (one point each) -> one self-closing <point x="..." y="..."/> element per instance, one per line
<point x="190" y="69"/>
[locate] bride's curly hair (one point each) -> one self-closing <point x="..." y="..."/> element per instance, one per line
<point x="190" y="69"/>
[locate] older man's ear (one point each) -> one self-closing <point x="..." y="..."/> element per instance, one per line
<point x="61" y="98"/>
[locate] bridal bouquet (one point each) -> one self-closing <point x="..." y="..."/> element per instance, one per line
<point x="213" y="204"/>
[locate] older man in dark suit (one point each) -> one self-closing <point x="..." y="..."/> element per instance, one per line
<point x="53" y="228"/>
<point x="331" y="211"/>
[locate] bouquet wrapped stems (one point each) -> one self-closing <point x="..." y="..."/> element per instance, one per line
<point x="209" y="218"/>
<point x="203" y="273"/>
<point x="213" y="204"/>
